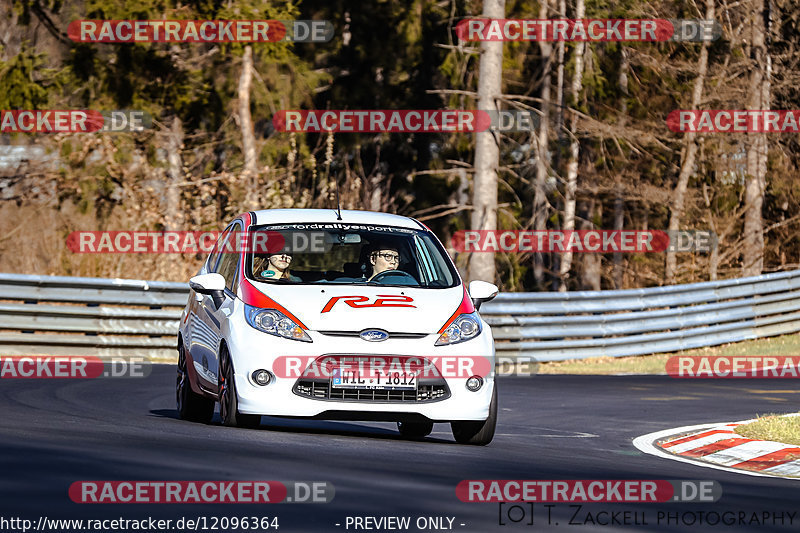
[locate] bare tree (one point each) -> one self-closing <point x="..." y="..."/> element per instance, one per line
<point x="619" y="222"/>
<point x="689" y="153"/>
<point x="574" y="153"/>
<point x="487" y="151"/>
<point x="562" y="12"/>
<point x="759" y="97"/>
<point x="174" y="145"/>
<point x="591" y="209"/>
<point x="539" y="192"/>
<point x="245" y="120"/>
<point x="618" y="269"/>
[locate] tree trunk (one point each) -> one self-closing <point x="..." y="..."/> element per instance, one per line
<point x="574" y="153"/>
<point x="487" y="152"/>
<point x="376" y="197"/>
<point x="539" y="194"/>
<point x="622" y="81"/>
<point x="591" y="210"/>
<point x="174" y="219"/>
<point x="562" y="13"/>
<point x="713" y="260"/>
<point x="619" y="200"/>
<point x="245" y="121"/>
<point x="689" y="155"/>
<point x="759" y="98"/>
<point x="619" y="223"/>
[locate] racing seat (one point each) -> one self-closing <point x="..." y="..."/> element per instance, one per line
<point x="355" y="270"/>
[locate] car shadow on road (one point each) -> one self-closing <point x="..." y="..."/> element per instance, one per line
<point x="317" y="427"/>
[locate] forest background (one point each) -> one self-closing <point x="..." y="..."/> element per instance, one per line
<point x="602" y="157"/>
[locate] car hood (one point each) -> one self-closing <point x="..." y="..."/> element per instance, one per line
<point x="359" y="307"/>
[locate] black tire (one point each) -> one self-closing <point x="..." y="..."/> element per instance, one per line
<point x="415" y="430"/>
<point x="478" y="433"/>
<point x="191" y="406"/>
<point x="228" y="399"/>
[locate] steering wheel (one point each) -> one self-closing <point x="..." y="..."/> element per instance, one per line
<point x="403" y="278"/>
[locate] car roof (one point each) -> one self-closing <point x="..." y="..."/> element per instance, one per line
<point x="300" y="216"/>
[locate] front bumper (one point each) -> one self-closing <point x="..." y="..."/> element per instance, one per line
<point x="252" y="350"/>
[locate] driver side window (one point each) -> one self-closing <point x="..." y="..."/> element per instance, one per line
<point x="229" y="259"/>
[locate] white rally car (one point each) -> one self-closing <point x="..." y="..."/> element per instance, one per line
<point x="351" y="316"/>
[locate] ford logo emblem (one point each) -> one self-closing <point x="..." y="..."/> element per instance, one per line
<point x="374" y="335"/>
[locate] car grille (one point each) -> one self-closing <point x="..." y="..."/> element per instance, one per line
<point x="392" y="335"/>
<point x="321" y="390"/>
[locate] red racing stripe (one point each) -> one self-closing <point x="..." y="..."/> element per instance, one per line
<point x="715" y="447"/>
<point x="693" y="437"/>
<point x="762" y="462"/>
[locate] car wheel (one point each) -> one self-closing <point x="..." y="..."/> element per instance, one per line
<point x="479" y="433"/>
<point x="191" y="406"/>
<point x="228" y="400"/>
<point x="415" y="430"/>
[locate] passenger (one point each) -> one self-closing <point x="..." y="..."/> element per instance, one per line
<point x="278" y="267"/>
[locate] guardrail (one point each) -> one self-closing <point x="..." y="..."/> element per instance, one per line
<point x="576" y="325"/>
<point x="58" y="315"/>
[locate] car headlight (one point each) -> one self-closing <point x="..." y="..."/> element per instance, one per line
<point x="275" y="323"/>
<point x="463" y="328"/>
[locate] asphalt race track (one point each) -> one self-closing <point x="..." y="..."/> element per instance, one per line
<point x="55" y="432"/>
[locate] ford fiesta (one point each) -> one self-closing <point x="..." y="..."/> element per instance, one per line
<point x="350" y="316"/>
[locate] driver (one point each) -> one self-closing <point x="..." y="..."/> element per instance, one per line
<point x="384" y="258"/>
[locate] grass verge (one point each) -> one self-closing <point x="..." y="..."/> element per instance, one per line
<point x="779" y="428"/>
<point x="788" y="345"/>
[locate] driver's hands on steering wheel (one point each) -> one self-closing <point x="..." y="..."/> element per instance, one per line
<point x="404" y="277"/>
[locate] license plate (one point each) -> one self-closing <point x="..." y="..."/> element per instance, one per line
<point x="353" y="378"/>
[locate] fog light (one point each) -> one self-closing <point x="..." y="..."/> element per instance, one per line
<point x="474" y="383"/>
<point x="262" y="377"/>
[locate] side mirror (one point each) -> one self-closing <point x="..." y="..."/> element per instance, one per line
<point x="481" y="291"/>
<point x="212" y="284"/>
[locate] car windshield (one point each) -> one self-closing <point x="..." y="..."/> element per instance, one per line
<point x="348" y="254"/>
